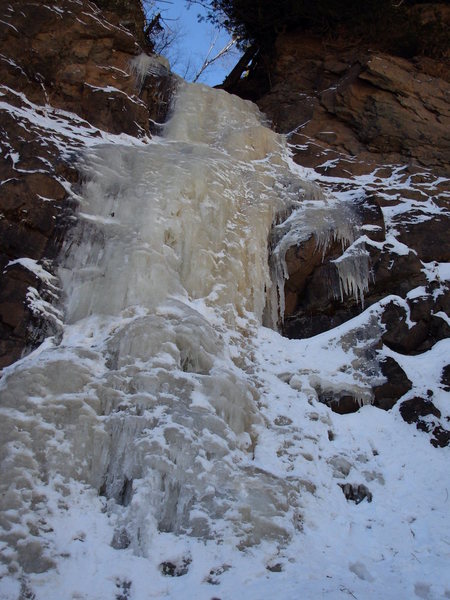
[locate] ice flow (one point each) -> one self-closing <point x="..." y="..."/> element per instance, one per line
<point x="150" y="398"/>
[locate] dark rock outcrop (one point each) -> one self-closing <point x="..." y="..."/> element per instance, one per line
<point x="356" y="492"/>
<point x="397" y="384"/>
<point x="445" y="378"/>
<point x="427" y="418"/>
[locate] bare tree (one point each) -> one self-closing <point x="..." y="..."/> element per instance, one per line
<point x="168" y="38"/>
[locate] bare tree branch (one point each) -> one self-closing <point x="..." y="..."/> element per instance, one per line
<point x="209" y="61"/>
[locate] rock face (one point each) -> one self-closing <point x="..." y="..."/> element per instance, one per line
<point x="427" y="418"/>
<point x="374" y="128"/>
<point x="358" y="101"/>
<point x="66" y="82"/>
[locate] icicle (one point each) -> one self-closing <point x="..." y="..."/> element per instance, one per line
<point x="327" y="219"/>
<point x="145" y="64"/>
<point x="354" y="269"/>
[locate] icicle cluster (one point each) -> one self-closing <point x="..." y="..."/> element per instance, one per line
<point x="354" y="272"/>
<point x="148" y="64"/>
<point x="328" y="220"/>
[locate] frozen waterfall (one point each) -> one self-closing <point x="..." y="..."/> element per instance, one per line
<point x="151" y="399"/>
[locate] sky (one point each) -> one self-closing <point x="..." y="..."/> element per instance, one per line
<point x="192" y="42"/>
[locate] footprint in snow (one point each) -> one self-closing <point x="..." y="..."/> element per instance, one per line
<point x="361" y="571"/>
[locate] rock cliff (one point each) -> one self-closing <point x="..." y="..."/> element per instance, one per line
<point x="377" y="126"/>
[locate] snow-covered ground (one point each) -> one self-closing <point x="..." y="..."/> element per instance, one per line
<point x="169" y="445"/>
